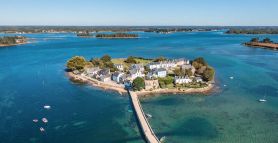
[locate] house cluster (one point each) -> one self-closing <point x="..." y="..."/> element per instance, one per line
<point x="155" y="70"/>
<point x="168" y="64"/>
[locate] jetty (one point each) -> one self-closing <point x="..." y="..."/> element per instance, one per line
<point x="144" y="124"/>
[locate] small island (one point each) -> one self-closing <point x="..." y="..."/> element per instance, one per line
<point x="12" y="41"/>
<point x="83" y="34"/>
<point x="143" y="76"/>
<point x="265" y="43"/>
<point x="117" y="35"/>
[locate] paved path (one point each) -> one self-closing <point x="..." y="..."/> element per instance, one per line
<point x="146" y="128"/>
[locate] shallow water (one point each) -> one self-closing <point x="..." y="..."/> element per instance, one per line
<point x="32" y="75"/>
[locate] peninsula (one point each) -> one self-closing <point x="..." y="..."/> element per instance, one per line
<point x="143" y="76"/>
<point x="12" y="41"/>
<point x="265" y="43"/>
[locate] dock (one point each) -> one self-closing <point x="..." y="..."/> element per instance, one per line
<point x="144" y="124"/>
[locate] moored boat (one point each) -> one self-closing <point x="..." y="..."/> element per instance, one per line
<point x="44" y="120"/>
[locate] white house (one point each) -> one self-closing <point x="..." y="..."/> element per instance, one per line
<point x="91" y="71"/>
<point x="161" y="72"/>
<point x="139" y="67"/>
<point x="164" y="64"/>
<point x="181" y="61"/>
<point x="105" y="78"/>
<point x="120" y="67"/>
<point x="182" y="79"/>
<point x="198" y="79"/>
<point x="134" y="73"/>
<point x="117" y="76"/>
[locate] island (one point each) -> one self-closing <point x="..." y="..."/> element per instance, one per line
<point x="142" y="75"/>
<point x="117" y="35"/>
<point x="12" y="40"/>
<point x="253" y="30"/>
<point x="265" y="43"/>
<point x="83" y="34"/>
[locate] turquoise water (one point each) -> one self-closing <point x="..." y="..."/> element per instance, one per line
<point x="32" y="75"/>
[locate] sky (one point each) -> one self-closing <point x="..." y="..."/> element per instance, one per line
<point x="139" y="12"/>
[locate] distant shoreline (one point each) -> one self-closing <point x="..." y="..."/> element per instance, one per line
<point x="117" y="37"/>
<point x="121" y="90"/>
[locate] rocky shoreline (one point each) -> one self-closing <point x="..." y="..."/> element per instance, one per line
<point x="273" y="46"/>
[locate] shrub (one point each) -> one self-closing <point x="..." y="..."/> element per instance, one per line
<point x="138" y="84"/>
<point x="76" y="63"/>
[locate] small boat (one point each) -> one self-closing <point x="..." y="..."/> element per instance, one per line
<point x="42" y="129"/>
<point x="44" y="120"/>
<point x="231" y="77"/>
<point x="47" y="107"/>
<point x="262" y="100"/>
<point x="35" y="120"/>
<point x="225" y="85"/>
<point x="149" y="115"/>
<point x="162" y="139"/>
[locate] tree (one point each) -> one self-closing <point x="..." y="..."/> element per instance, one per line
<point x="97" y="62"/>
<point x="166" y="80"/>
<point x="199" y="62"/>
<point x="160" y="59"/>
<point x="255" y="40"/>
<point x="76" y="63"/>
<point x="138" y="84"/>
<point x="178" y="72"/>
<point x="208" y="74"/>
<point x="188" y="72"/>
<point x="267" y="40"/>
<point x="131" y="60"/>
<point x="106" y="58"/>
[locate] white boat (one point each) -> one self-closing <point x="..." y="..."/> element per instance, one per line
<point x="35" y="120"/>
<point x="42" y="129"/>
<point x="162" y="139"/>
<point x="149" y="115"/>
<point x="225" y="85"/>
<point x="44" y="120"/>
<point x="262" y="100"/>
<point x="47" y="107"/>
<point x="231" y="77"/>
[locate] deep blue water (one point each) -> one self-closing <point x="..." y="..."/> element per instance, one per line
<point x="32" y="75"/>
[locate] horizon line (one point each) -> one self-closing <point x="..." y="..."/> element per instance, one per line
<point x="145" y="25"/>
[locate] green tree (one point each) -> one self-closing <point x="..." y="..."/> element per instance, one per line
<point x="199" y="62"/>
<point x="106" y="58"/>
<point x="131" y="60"/>
<point x="160" y="59"/>
<point x="76" y="63"/>
<point x="166" y="80"/>
<point x="178" y="72"/>
<point x="138" y="84"/>
<point x="188" y="72"/>
<point x="254" y="40"/>
<point x="208" y="74"/>
<point x="267" y="40"/>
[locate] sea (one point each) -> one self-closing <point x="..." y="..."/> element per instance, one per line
<point x="33" y="75"/>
